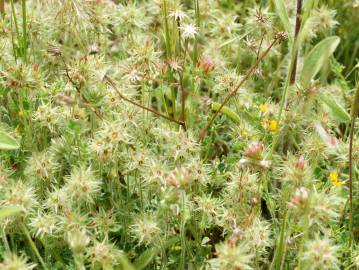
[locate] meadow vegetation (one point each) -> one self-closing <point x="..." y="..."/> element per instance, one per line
<point x="179" y="134"/>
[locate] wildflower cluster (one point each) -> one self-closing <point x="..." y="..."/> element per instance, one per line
<point x="171" y="135"/>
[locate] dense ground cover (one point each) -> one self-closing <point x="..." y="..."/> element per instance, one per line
<point x="190" y="134"/>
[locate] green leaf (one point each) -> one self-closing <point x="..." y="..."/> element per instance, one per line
<point x="322" y="133"/>
<point x="314" y="61"/>
<point x="227" y="112"/>
<point x="147" y="256"/>
<point x="337" y="111"/>
<point x="7" y="142"/>
<point x="125" y="262"/>
<point x="283" y="16"/>
<point x="9" y="211"/>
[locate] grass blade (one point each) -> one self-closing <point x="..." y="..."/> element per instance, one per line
<point x="283" y="15"/>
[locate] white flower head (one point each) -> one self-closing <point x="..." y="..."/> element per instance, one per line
<point x="189" y="31"/>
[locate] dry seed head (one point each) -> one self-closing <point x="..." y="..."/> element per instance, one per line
<point x="44" y="225"/>
<point x="319" y="254"/>
<point x="78" y="240"/>
<point x="13" y="262"/>
<point x="231" y="257"/>
<point x="82" y="185"/>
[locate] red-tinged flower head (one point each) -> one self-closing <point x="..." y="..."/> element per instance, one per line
<point x="300" y="163"/>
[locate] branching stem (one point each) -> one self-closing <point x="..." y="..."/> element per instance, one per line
<point x="354" y="114"/>
<point x="203" y="132"/>
<point x="298" y="23"/>
<point x="181" y="123"/>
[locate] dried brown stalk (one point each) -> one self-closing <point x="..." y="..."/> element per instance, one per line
<point x="298" y="23"/>
<point x="2" y="7"/>
<point x="278" y="37"/>
<point x="78" y="89"/>
<point x="179" y="122"/>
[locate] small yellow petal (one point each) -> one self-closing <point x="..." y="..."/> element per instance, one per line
<point x="263" y="108"/>
<point x="17" y="129"/>
<point x="338" y="183"/>
<point x="273" y="125"/>
<point x="333" y="176"/>
<point x="21" y="113"/>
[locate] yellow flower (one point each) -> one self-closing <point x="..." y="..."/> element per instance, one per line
<point x="273" y="125"/>
<point x="263" y="108"/>
<point x="21" y="113"/>
<point x="17" y="129"/>
<point x="334" y="178"/>
<point x="338" y="184"/>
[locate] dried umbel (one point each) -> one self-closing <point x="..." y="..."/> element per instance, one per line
<point x="83" y="185"/>
<point x="12" y="261"/>
<point x="103" y="254"/>
<point x="146" y="230"/>
<point x="232" y="256"/>
<point x="78" y="240"/>
<point x="320" y="254"/>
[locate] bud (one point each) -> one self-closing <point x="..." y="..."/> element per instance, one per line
<point x="205" y="63"/>
<point x="300" y="196"/>
<point x="300" y="164"/>
<point x="254" y="151"/>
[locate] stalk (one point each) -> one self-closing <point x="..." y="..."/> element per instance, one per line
<point x="167" y="33"/>
<point x="24" y="29"/>
<point x="198" y="25"/>
<point x="298" y="23"/>
<point x="203" y="132"/>
<point x="354" y="114"/>
<point x="178" y="122"/>
<point x="2" y="7"/>
<point x="183" y="236"/>
<point x="15" y="20"/>
<point x="33" y="246"/>
<point x="291" y="77"/>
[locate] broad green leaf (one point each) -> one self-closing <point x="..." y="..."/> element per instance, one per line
<point x="283" y="16"/>
<point x="322" y="133"/>
<point x="9" y="211"/>
<point x="125" y="262"/>
<point x="336" y="110"/>
<point x="7" y="142"/>
<point x="147" y="256"/>
<point x="227" y="112"/>
<point x="314" y="61"/>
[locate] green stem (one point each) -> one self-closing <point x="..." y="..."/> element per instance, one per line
<point x="305" y="232"/>
<point x="33" y="246"/>
<point x="354" y="114"/>
<point x="183" y="240"/>
<point x="167" y="33"/>
<point x="24" y="30"/>
<point x="278" y="255"/>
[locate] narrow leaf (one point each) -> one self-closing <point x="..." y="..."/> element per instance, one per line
<point x="125" y="262"/>
<point x="283" y="15"/>
<point x="147" y="256"/>
<point x="314" y="61"/>
<point x="7" y="142"/>
<point x="227" y="112"/>
<point x="9" y="211"/>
